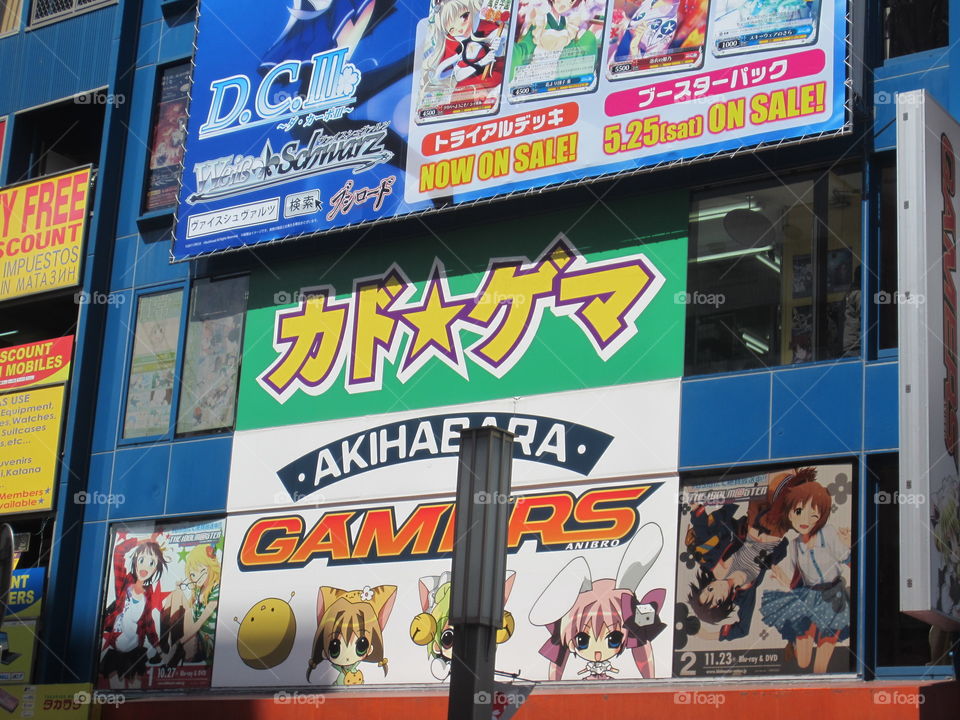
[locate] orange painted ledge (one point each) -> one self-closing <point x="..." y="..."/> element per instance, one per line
<point x="844" y="700"/>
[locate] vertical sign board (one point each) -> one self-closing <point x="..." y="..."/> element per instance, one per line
<point x="928" y="140"/>
<point x="3" y="138"/>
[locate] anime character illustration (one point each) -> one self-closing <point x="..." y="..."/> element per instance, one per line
<point x="432" y="626"/>
<point x="190" y="611"/>
<point x="734" y="554"/>
<point x="556" y="48"/>
<point x="350" y="626"/>
<point x="131" y="623"/>
<point x="655" y="36"/>
<point x="266" y="633"/>
<point x="464" y="54"/>
<point x="597" y="620"/>
<point x="945" y="522"/>
<point x="814" y="615"/>
<point x="756" y="25"/>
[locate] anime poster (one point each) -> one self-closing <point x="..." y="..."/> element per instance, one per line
<point x="461" y="52"/>
<point x="655" y="36"/>
<point x="359" y="593"/>
<point x="169" y="134"/>
<point x="743" y="26"/>
<point x="162" y="592"/>
<point x="556" y="48"/>
<point x="764" y="577"/>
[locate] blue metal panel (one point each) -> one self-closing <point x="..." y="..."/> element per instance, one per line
<point x="135" y="160"/>
<point x="124" y="262"/>
<point x="817" y="410"/>
<point x="199" y="470"/>
<point x="85" y="622"/>
<point x="99" y="479"/>
<point x="177" y="38"/>
<point x="140" y="475"/>
<point x="881" y="419"/>
<point x="928" y="70"/>
<point x="153" y="260"/>
<point x="148" y="52"/>
<point x="113" y="362"/>
<point x="58" y="60"/>
<point x="725" y="420"/>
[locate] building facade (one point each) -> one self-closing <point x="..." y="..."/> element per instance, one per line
<point x="239" y="412"/>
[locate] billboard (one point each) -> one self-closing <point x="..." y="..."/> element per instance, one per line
<point x="355" y="112"/>
<point x="160" y="606"/>
<point x="42" y="229"/>
<point x="929" y="497"/>
<point x="38" y="363"/>
<point x="29" y="448"/>
<point x="763" y="574"/>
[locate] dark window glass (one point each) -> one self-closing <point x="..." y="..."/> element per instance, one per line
<point x="774" y="274"/>
<point x="886" y="310"/>
<point x="914" y="25"/>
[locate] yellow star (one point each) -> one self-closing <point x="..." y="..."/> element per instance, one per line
<point x="432" y="322"/>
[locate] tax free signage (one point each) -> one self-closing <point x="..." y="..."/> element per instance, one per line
<point x="336" y="114"/>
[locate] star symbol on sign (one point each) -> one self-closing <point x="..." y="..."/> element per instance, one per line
<point x="431" y="327"/>
<point x="183" y="555"/>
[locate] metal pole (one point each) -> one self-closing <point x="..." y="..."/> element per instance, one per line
<point x="479" y="568"/>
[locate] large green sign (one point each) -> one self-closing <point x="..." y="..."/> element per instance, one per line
<point x="580" y="298"/>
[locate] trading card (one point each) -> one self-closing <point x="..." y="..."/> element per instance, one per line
<point x="648" y="37"/>
<point x="743" y="26"/>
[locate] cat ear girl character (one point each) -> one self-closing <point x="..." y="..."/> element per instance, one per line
<point x="597" y="620"/>
<point x="131" y="622"/>
<point x="350" y="628"/>
<point x="190" y="611"/>
<point x="432" y="627"/>
<point x="464" y="50"/>
<point x="815" y="614"/>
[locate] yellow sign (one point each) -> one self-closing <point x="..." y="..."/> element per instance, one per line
<point x="52" y="702"/>
<point x="42" y="226"/>
<point x="29" y="447"/>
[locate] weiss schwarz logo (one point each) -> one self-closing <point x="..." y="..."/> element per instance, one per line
<point x="385" y="319"/>
<point x="224" y="177"/>
<point x="539" y="439"/>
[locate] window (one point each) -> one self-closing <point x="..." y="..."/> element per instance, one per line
<point x="211" y="365"/>
<point x="911" y="26"/>
<point x="10" y="16"/>
<point x="208" y="371"/>
<point x="774" y="274"/>
<point x="167" y="136"/>
<point x="57" y="137"/>
<point x="886" y="309"/>
<point x="49" y="10"/>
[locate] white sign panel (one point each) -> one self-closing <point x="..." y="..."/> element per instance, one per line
<point x="928" y="140"/>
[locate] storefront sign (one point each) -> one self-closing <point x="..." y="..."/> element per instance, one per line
<point x="365" y="111"/>
<point x="52" y="702"/>
<point x="928" y="140"/>
<point x="42" y="228"/>
<point x="29" y="448"/>
<point x="763" y="574"/>
<point x="21" y="644"/>
<point x="167" y="577"/>
<point x="26" y="593"/>
<point x="39" y="363"/>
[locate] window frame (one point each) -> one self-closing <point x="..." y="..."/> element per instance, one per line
<point x="186" y="293"/>
<point x="19" y="22"/>
<point x="73" y="11"/>
<point x="819" y="248"/>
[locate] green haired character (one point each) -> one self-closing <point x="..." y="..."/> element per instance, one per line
<point x="432" y="627"/>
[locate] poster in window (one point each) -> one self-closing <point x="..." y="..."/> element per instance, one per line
<point x="763" y="578"/>
<point x="208" y="394"/>
<point x="802" y="276"/>
<point x="166" y="143"/>
<point x="159" y="615"/>
<point x="150" y="389"/>
<point x="839" y="270"/>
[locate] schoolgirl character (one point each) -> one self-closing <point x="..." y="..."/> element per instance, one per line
<point x="596" y="620"/>
<point x="191" y="609"/>
<point x="350" y="630"/>
<point x="464" y="52"/>
<point x="734" y="556"/>
<point x="131" y="621"/>
<point x="432" y="627"/>
<point x="815" y="614"/>
<point x="557" y="26"/>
